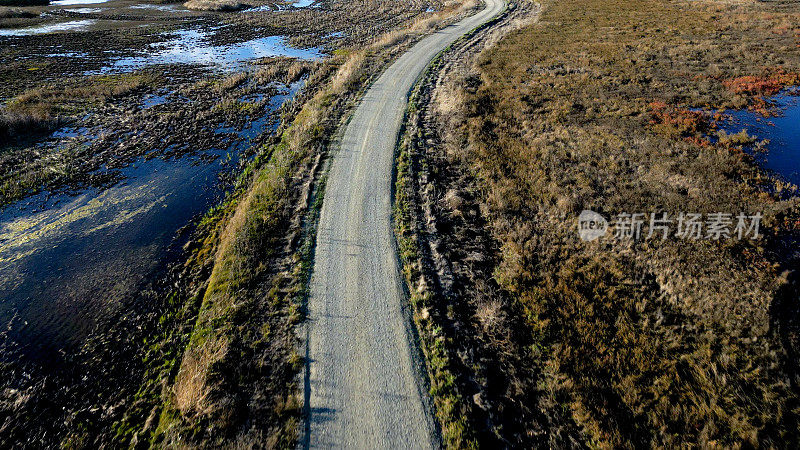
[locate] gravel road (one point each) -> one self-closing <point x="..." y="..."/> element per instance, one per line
<point x="362" y="382"/>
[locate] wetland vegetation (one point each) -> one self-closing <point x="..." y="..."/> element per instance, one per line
<point x="162" y="166"/>
<point x="177" y="190"/>
<point x="610" y="106"/>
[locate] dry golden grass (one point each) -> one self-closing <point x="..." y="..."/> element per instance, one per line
<point x="233" y="81"/>
<point x="191" y="384"/>
<point x="216" y="5"/>
<point x="639" y="344"/>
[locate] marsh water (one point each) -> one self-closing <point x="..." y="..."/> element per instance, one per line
<point x="782" y="155"/>
<point x="192" y="46"/>
<point x="70" y="261"/>
<point x="72" y="25"/>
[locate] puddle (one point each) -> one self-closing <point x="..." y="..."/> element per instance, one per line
<point x="261" y="8"/>
<point x="86" y="10"/>
<point x="192" y="47"/>
<point x="154" y="100"/>
<point x="75" y="25"/>
<point x="286" y="93"/>
<point x="252" y="98"/>
<point x="68" y="262"/>
<point x="155" y="7"/>
<point x="303" y="3"/>
<point x="55" y="54"/>
<point x="782" y="155"/>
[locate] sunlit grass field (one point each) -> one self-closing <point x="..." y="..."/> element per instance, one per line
<point x="608" y="105"/>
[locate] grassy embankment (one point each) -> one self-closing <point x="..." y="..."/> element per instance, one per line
<point x="237" y="379"/>
<point x="648" y="343"/>
<point x="450" y="406"/>
<point x="448" y="400"/>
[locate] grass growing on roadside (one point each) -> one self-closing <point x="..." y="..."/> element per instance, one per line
<point x="448" y="401"/>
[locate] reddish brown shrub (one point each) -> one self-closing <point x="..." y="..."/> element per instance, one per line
<point x="765" y="85"/>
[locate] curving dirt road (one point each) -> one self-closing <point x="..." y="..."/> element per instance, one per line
<point x="362" y="380"/>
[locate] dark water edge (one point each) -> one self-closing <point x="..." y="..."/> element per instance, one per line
<point x="92" y="253"/>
